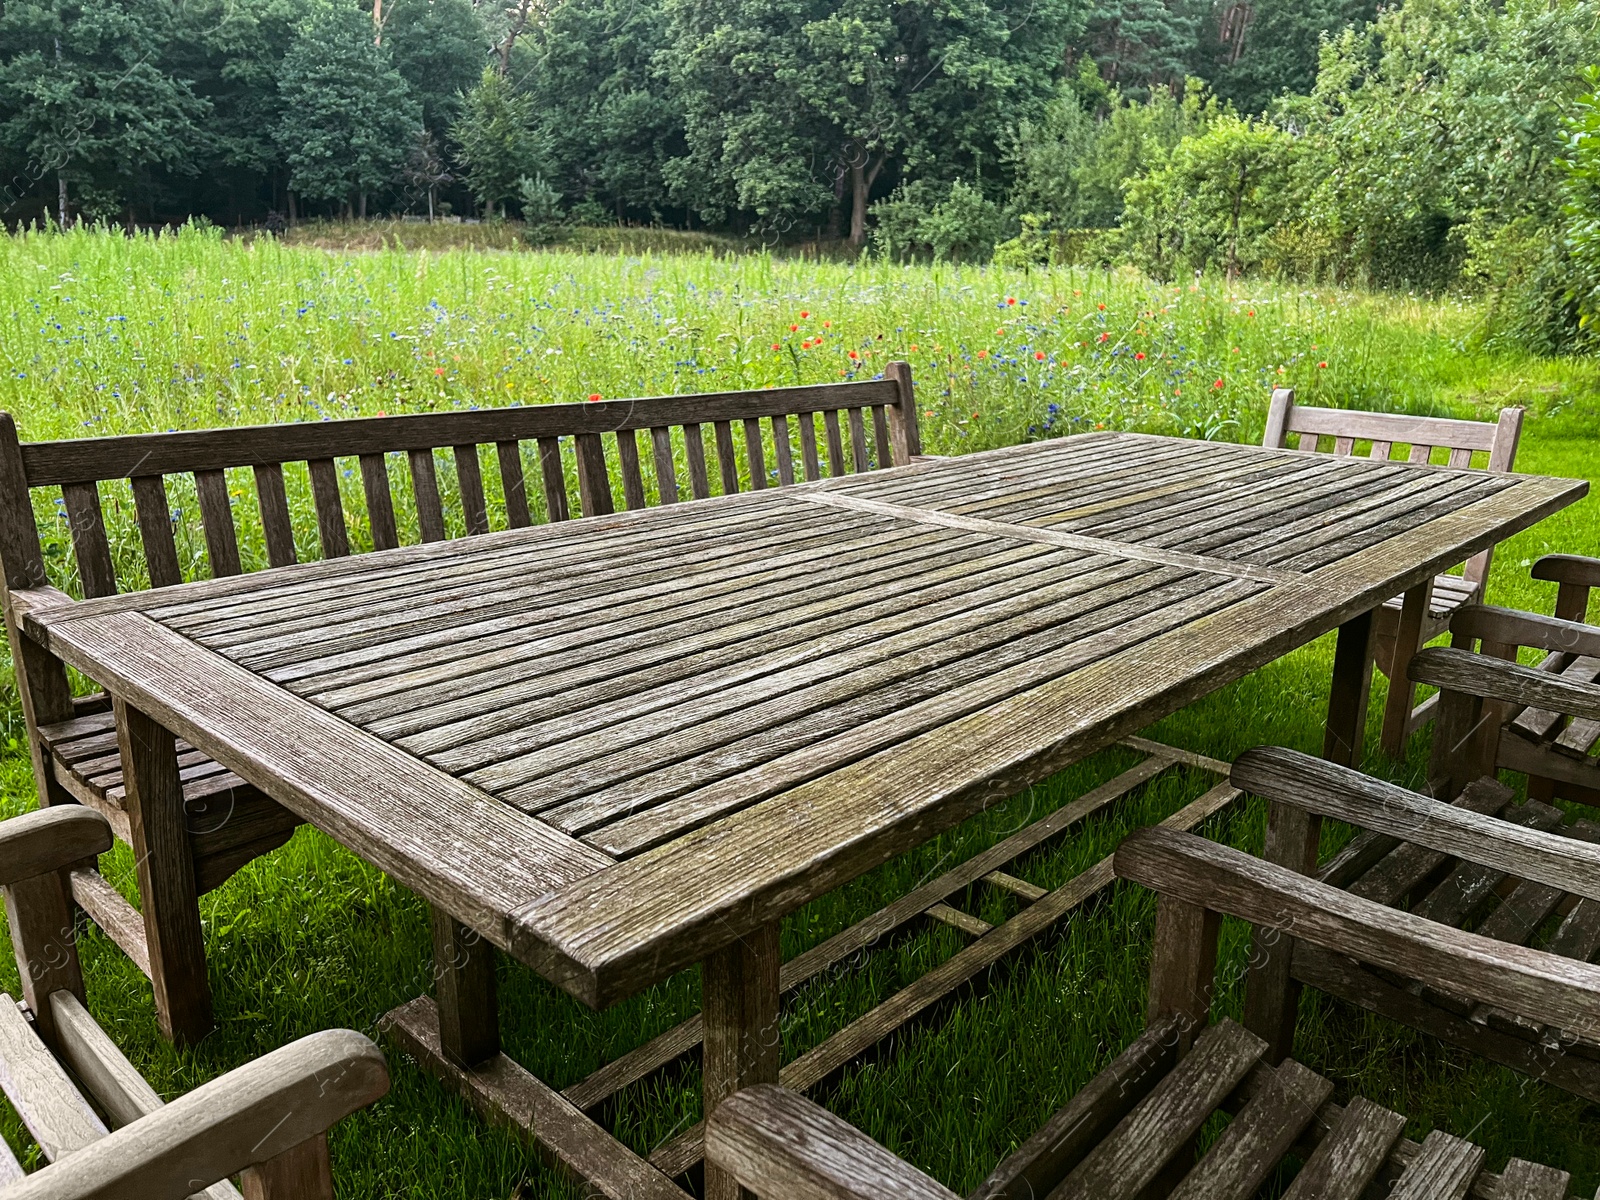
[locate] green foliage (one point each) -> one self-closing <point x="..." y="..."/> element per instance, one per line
<point x="541" y="209"/>
<point x="1265" y="48"/>
<point x="492" y="133"/>
<point x="1142" y="44"/>
<point x="348" y="118"/>
<point x="1582" y="194"/>
<point x="949" y="223"/>
<point x="438" y="46"/>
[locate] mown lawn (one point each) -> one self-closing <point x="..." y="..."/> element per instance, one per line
<point x="102" y="335"/>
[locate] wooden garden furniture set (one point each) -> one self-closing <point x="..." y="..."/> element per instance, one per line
<point x="619" y="747"/>
<point x="267" y="1119"/>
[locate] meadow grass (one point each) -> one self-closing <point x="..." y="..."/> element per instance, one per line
<point x="108" y="335"/>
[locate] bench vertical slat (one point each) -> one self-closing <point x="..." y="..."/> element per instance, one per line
<point x="830" y="423"/>
<point x="513" y="484"/>
<point x="425" y="487"/>
<point x="330" y="507"/>
<point x="904" y="430"/>
<point x="666" y="472"/>
<point x="1380" y="450"/>
<point x="594" y="480"/>
<point x="694" y="445"/>
<point x="1419" y="454"/>
<point x="754" y="453"/>
<point x="858" y="442"/>
<point x="155" y="530"/>
<point x="1308" y="442"/>
<point x="216" y="518"/>
<point x="628" y="459"/>
<point x="555" y="479"/>
<point x="727" y="464"/>
<point x="469" y="477"/>
<point x="89" y="542"/>
<point x="1461" y="457"/>
<point x="274" y="502"/>
<point x="808" y="445"/>
<point x="380" y="501"/>
<point x="1344" y="446"/>
<point x="780" y="444"/>
<point x="880" y="435"/>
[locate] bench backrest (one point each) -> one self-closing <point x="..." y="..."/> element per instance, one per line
<point x="1491" y="445"/>
<point x="182" y="498"/>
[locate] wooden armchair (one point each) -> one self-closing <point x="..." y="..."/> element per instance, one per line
<point x="156" y="509"/>
<point x="1405" y="623"/>
<point x="267" y="1120"/>
<point x="1131" y="1131"/>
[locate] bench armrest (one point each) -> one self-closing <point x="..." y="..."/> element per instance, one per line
<point x="1492" y="678"/>
<point x="50" y="839"/>
<point x="1512" y="627"/>
<point x="1530" y="983"/>
<point x="781" y="1146"/>
<point x="249" y="1115"/>
<point x="1568" y="568"/>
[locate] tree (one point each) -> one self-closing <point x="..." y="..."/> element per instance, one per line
<point x="425" y="169"/>
<point x="439" y="48"/>
<point x="1138" y="44"/>
<point x="495" y="145"/>
<point x="87" y="101"/>
<point x="1264" y="48"/>
<point x="348" y="118"/>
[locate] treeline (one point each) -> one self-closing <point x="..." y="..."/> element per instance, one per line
<point x="749" y="115"/>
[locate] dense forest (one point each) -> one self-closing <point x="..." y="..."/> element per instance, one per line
<point x="1432" y="144"/>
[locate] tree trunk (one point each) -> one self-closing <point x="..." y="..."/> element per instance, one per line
<point x="61" y="200"/>
<point x="362" y="213"/>
<point x="293" y="216"/>
<point x="431" y="191"/>
<point x="863" y="173"/>
<point x="1233" y="239"/>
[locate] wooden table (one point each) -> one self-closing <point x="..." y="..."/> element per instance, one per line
<point x="621" y="746"/>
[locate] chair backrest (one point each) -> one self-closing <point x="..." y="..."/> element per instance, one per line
<point x="1491" y="445"/>
<point x="177" y="490"/>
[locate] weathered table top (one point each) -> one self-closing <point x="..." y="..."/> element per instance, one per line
<point x="615" y="745"/>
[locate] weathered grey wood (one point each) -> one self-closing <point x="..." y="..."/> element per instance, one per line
<point x="1345" y="730"/>
<point x="301" y="1172"/>
<point x="554" y="477"/>
<point x="964" y="922"/>
<point x="1443" y="1171"/>
<point x="830" y="427"/>
<point x="754" y="454"/>
<point x="1017" y="887"/>
<point x="727" y="460"/>
<point x="1402" y="691"/>
<point x="880" y="438"/>
<point x="509" y="1096"/>
<point x="330" y="507"/>
<point x="513" y="483"/>
<point x="273" y="503"/>
<point x="380" y="501"/>
<point x="743" y="1040"/>
<point x="1272" y="999"/>
<point x="783" y="450"/>
<point x="469" y="478"/>
<point x="425" y="491"/>
<point x="1061" y="1142"/>
<point x="118" y="919"/>
<point x="1144" y="1141"/>
<point x="467" y="1003"/>
<point x="694" y="449"/>
<point x="1524" y="1180"/>
<point x="1509" y="627"/>
<point x="808" y="446"/>
<point x="49" y="840"/>
<point x="60" y="1120"/>
<point x="89" y="545"/>
<point x="779" y="1146"/>
<point x="628" y="462"/>
<point x="858" y="441"/>
<point x="248" y="1116"/>
<point x="45" y="941"/>
<point x="122" y="1092"/>
<point x="1183" y="962"/>
<point x="216" y="517"/>
<point x="666" y="468"/>
<point x="1350" y="1157"/>
<point x="903" y="414"/>
<point x="165" y="864"/>
<point x="1262" y="1133"/>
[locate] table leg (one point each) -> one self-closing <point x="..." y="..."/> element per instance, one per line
<point x="1347" y="696"/>
<point x="165" y="861"/>
<point x="1402" y="692"/>
<point x="743" y="1040"/>
<point x="469" y="1007"/>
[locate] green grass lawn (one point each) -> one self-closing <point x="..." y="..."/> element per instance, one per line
<point x="104" y="334"/>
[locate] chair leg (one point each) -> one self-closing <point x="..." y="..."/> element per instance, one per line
<point x="300" y="1173"/>
<point x="743" y="1042"/>
<point x="1402" y="692"/>
<point x="165" y="861"/>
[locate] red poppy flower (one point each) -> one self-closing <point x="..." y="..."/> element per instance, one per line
<point x="438" y="370"/>
<point x="1105" y="337"/>
<point x="1322" y="364"/>
<point x="983" y="354"/>
<point x="1009" y="300"/>
<point x="794" y="329"/>
<point x="774" y="345"/>
<point x="913" y="349"/>
<point x="1139" y="357"/>
<point x="1039" y="355"/>
<point x="853" y="354"/>
<point x="1217" y="384"/>
<point x="594" y="395"/>
<point x="1102" y="308"/>
<point x="804" y="314"/>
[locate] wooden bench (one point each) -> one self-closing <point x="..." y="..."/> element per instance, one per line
<point x="1131" y="1131"/>
<point x="1405" y="623"/>
<point x="267" y="1121"/>
<point x="158" y="509"/>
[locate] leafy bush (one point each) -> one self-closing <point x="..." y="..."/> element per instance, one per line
<point x="924" y="220"/>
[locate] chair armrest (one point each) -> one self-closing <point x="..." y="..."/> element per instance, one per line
<point x="781" y="1146"/>
<point x="249" y="1115"/>
<point x="1568" y="568"/>
<point x="49" y="839"/>
<point x="31" y="600"/>
<point x="1512" y="627"/>
<point x="1531" y="983"/>
<point x="1329" y="790"/>
<point x="1492" y="678"/>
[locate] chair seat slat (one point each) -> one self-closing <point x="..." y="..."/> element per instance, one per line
<point x="425" y="488"/>
<point x="216" y="517"/>
<point x="666" y="471"/>
<point x="380" y="501"/>
<point x="469" y="477"/>
<point x="330" y="507"/>
<point x="513" y="484"/>
<point x="275" y="525"/>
